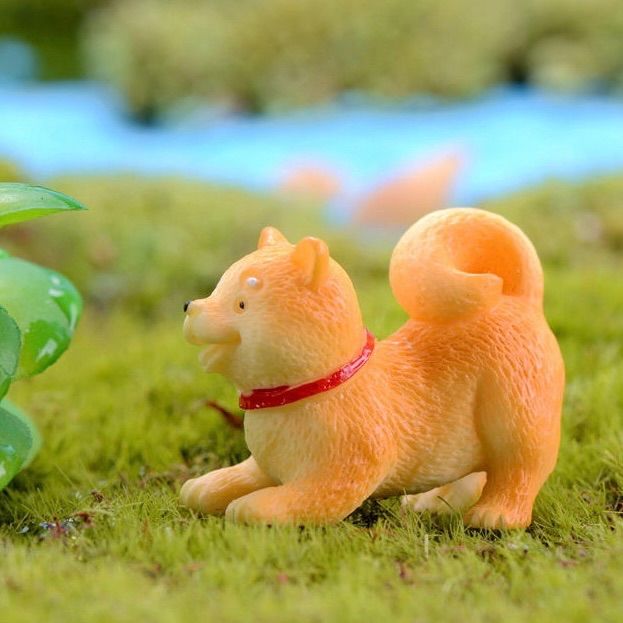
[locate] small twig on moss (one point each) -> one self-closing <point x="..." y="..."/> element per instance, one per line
<point x="233" y="419"/>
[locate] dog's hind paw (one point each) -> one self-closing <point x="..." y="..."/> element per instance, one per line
<point x="494" y="518"/>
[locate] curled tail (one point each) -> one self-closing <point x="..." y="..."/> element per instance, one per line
<point x="454" y="262"/>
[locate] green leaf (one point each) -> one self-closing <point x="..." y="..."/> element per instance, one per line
<point x="22" y="202"/>
<point x="46" y="307"/>
<point x="10" y="344"/>
<point x="19" y="441"/>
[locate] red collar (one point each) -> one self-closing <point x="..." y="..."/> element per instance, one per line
<point x="284" y="394"/>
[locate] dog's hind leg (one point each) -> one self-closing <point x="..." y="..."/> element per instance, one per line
<point x="454" y="497"/>
<point x="519" y="427"/>
<point x="212" y="493"/>
<point x="508" y="496"/>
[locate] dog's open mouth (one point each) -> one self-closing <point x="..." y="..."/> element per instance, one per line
<point x="209" y="331"/>
<point x="211" y="357"/>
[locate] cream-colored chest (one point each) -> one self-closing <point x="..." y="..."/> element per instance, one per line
<point x="288" y="441"/>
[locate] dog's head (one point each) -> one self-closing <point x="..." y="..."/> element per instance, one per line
<point x="282" y="315"/>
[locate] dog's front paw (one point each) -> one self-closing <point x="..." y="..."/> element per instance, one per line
<point x="187" y="493"/>
<point x="208" y="494"/>
<point x="196" y="494"/>
<point x="260" y="507"/>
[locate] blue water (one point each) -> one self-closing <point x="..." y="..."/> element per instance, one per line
<point x="511" y="137"/>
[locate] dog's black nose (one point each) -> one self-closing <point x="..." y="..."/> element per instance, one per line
<point x="186" y="304"/>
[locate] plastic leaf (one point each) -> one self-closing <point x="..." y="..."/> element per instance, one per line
<point x="19" y="441"/>
<point x="22" y="202"/>
<point x="46" y="307"/>
<point x="10" y="344"/>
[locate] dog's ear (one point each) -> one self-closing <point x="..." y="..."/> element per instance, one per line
<point x="311" y="255"/>
<point x="270" y="236"/>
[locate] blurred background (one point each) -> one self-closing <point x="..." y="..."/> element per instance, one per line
<point x="345" y="118"/>
<point x="185" y="126"/>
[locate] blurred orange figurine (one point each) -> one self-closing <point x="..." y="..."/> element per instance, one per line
<point x="311" y="181"/>
<point x="420" y="189"/>
<point x="462" y="403"/>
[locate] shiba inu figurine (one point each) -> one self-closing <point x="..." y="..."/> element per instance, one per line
<point x="461" y="405"/>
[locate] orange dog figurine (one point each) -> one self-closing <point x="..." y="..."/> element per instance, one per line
<point x="461" y="405"/>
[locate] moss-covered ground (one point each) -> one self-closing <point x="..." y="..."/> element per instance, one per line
<point x="92" y="531"/>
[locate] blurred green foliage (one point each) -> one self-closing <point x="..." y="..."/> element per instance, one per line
<point x="149" y="244"/>
<point x="572" y="45"/>
<point x="269" y="54"/>
<point x="10" y="172"/>
<point x="272" y="54"/>
<point x="52" y="27"/>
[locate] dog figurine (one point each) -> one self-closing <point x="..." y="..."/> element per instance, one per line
<point x="461" y="405"/>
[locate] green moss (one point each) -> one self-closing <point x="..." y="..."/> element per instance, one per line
<point x="575" y="225"/>
<point x="124" y="423"/>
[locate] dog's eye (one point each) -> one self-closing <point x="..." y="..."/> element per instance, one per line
<point x="241" y="305"/>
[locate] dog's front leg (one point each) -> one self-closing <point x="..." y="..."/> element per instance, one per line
<point x="321" y="498"/>
<point x="212" y="493"/>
